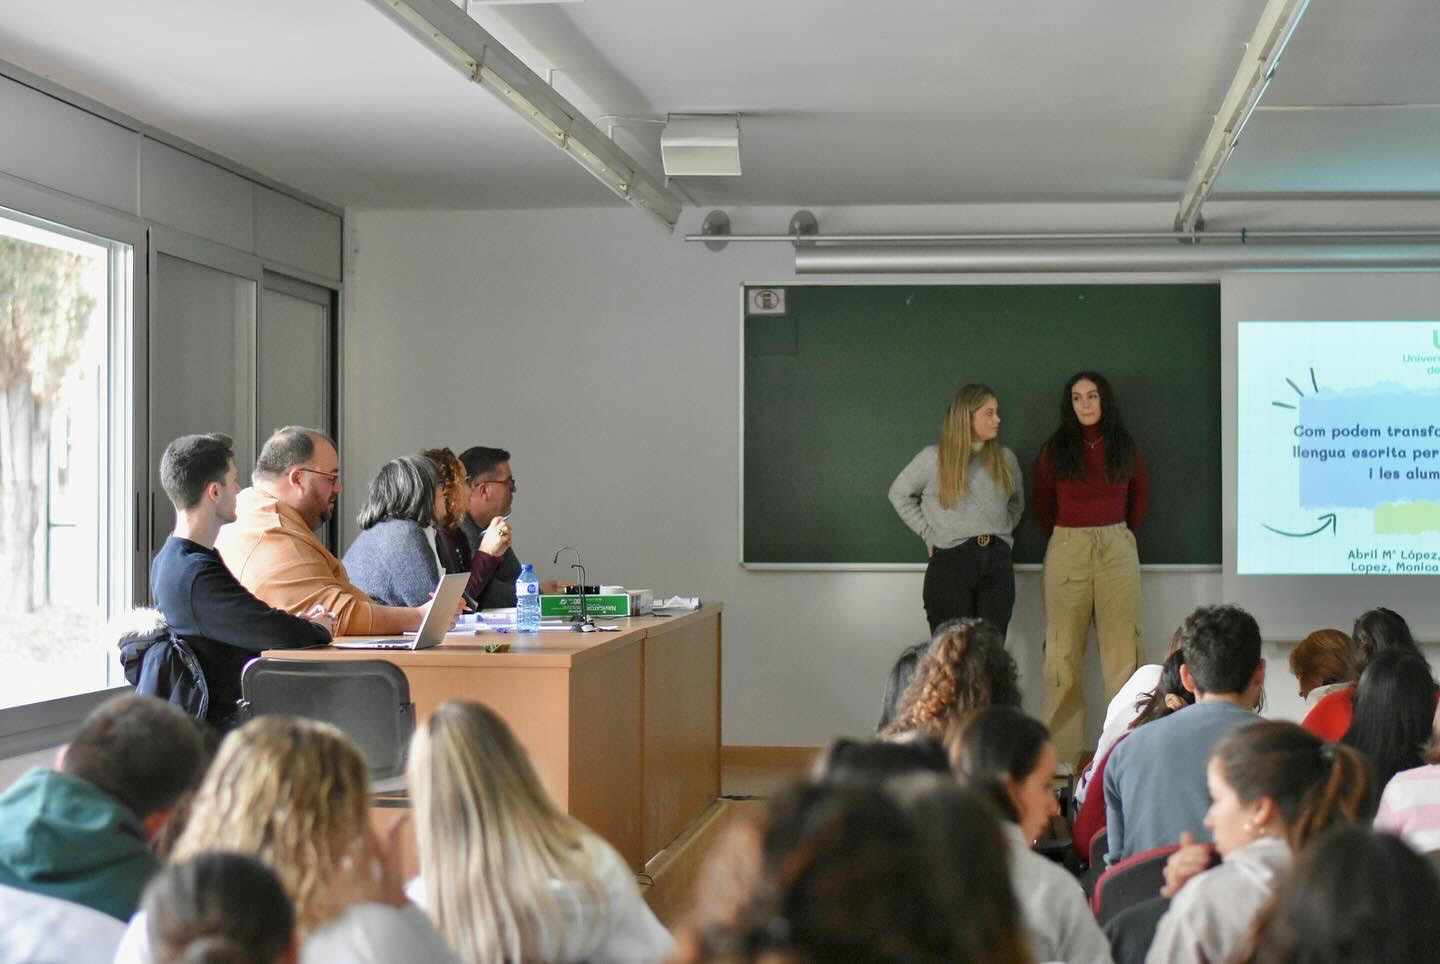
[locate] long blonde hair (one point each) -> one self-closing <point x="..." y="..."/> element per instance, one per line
<point x="295" y="794"/>
<point x="956" y="447"/>
<point x="491" y="842"/>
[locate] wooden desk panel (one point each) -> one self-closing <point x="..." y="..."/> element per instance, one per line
<point x="623" y="728"/>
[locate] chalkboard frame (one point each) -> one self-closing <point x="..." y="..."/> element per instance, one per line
<point x="1207" y="558"/>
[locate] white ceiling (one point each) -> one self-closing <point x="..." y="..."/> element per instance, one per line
<point x="842" y="102"/>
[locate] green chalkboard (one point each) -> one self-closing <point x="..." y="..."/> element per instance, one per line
<point x="850" y="382"/>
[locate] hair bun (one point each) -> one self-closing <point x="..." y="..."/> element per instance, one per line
<point x="1327" y="752"/>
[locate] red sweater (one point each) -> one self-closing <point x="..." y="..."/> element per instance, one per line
<point x="1330" y="718"/>
<point x="1093" y="500"/>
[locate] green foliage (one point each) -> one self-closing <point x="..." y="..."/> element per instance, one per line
<point x="44" y="312"/>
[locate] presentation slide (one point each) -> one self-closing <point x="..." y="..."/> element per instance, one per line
<point x="1338" y="447"/>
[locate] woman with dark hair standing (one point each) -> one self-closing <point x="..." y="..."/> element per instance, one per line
<point x="1273" y="788"/>
<point x="964" y="498"/>
<point x="1375" y="631"/>
<point x="1394" y="712"/>
<point x="1007" y="757"/>
<point x="1091" y="492"/>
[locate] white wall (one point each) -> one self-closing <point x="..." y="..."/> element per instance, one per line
<point x="605" y="354"/>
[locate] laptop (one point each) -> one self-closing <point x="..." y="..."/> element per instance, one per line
<point x="437" y="621"/>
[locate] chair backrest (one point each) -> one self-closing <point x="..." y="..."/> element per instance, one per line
<point x="366" y="699"/>
<point x="1099" y="847"/>
<point x="1136" y="878"/>
<point x="1433" y="856"/>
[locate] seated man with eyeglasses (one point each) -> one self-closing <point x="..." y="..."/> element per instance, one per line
<point x="492" y="490"/>
<point x="272" y="548"/>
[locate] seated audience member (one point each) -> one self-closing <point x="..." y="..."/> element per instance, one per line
<point x="965" y="669"/>
<point x="1410" y="802"/>
<point x="849" y="873"/>
<point x="295" y="794"/>
<point x="220" y="907"/>
<point x="36" y="929"/>
<point x="1123" y="711"/>
<point x="1007" y="756"/>
<point x="272" y="548"/>
<point x="1353" y="897"/>
<point x="1322" y="664"/>
<point x="901" y="673"/>
<point x="1168" y="696"/>
<point x="81" y="832"/>
<point x="452" y="546"/>
<point x="1394" y="712"/>
<point x="505" y="874"/>
<point x="202" y="602"/>
<point x="1155" y="778"/>
<point x="871" y="763"/>
<point x="393" y="557"/>
<point x="1274" y="787"/>
<point x="1375" y="631"/>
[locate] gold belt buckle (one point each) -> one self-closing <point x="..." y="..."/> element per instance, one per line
<point x="982" y="541"/>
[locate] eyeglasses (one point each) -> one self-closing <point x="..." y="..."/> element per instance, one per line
<point x="332" y="476"/>
<point x="508" y="483"/>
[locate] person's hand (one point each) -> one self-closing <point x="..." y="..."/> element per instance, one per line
<point x="369" y="872"/>
<point x="552" y="587"/>
<point x="321" y="616"/>
<point x="929" y="552"/>
<point x="496" y="538"/>
<point x="1192" y="858"/>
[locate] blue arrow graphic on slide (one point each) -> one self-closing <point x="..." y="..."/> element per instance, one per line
<point x="1327" y="521"/>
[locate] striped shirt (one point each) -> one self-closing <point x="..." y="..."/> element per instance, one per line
<point x="1410" y="807"/>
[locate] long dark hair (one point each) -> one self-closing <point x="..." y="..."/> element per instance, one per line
<point x="1315" y="785"/>
<point x="1375" y="631"/>
<point x="1358" y="895"/>
<point x="1394" y="712"/>
<point x="995" y="747"/>
<point x="1153" y="705"/>
<point x="1067" y="445"/>
<point x="218" y="907"/>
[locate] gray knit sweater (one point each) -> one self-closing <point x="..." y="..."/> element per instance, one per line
<point x="394" y="562"/>
<point x="984" y="508"/>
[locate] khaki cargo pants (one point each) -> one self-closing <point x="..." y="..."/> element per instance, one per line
<point x="1089" y="572"/>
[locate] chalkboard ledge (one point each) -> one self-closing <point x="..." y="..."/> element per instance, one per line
<point x="920" y="567"/>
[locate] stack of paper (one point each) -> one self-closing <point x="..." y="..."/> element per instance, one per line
<point x="677" y="604"/>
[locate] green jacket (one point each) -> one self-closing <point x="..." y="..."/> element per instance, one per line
<point x="65" y="837"/>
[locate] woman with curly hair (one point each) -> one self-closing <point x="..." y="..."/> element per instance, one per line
<point x="966" y="668"/>
<point x="296" y="795"/>
<point x="452" y="494"/>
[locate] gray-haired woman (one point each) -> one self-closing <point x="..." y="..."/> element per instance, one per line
<point x="393" y="558"/>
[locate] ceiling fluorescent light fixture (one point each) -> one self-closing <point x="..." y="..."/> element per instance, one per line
<point x="450" y="32"/>
<point x="701" y="145"/>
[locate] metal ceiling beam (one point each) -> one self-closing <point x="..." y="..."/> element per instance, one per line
<point x="451" y="33"/>
<point x="1257" y="67"/>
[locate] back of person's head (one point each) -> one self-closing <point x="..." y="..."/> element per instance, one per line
<point x="288" y="447"/>
<point x="192" y="462"/>
<point x="994" y="750"/>
<point x="834" y="874"/>
<point x="1322" y="659"/>
<point x="144" y="752"/>
<point x="872" y="762"/>
<point x="491" y="841"/>
<point x="296" y="794"/>
<point x="972" y="879"/>
<point x="901" y="673"/>
<point x="1394" y="712"/>
<point x="218" y="907"/>
<point x="482" y="460"/>
<point x="1315" y="785"/>
<point x="1356" y="896"/>
<point x="965" y="669"/>
<point x="404" y="488"/>
<point x="1222" y="648"/>
<point x="1376" y="631"/>
<point x="1168" y="695"/>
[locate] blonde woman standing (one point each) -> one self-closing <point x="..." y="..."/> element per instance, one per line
<point x="505" y="874"/>
<point x="964" y="498"/>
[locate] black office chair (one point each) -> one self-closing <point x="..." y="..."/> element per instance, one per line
<point x="368" y="700"/>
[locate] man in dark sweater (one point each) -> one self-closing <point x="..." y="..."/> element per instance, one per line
<point x="201" y="600"/>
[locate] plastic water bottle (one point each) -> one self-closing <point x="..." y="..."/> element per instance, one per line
<point x="527" y="601"/>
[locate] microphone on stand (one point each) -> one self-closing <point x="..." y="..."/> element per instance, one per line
<point x="581" y="620"/>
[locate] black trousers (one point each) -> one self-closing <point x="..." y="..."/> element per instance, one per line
<point x="970" y="580"/>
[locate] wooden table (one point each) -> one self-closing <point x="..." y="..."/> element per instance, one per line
<point x="624" y="728"/>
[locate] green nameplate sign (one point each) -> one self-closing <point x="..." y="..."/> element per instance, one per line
<point x="568" y="605"/>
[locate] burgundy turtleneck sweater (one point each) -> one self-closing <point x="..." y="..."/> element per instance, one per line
<point x="1093" y="500"/>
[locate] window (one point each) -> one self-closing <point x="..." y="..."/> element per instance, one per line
<point x="64" y="312"/>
